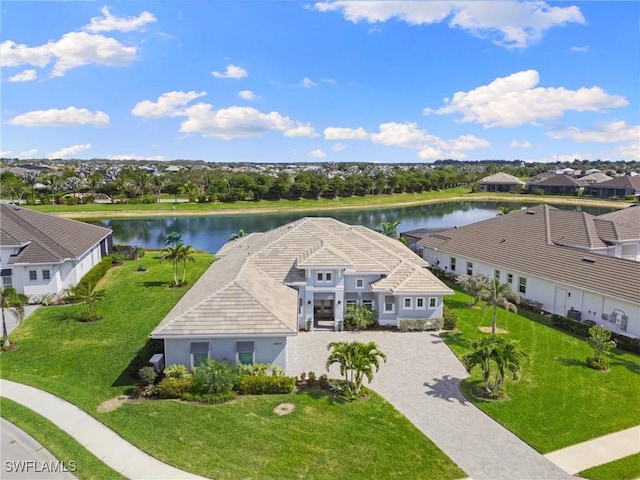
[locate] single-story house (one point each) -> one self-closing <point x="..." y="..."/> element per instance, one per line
<point x="595" y="177"/>
<point x="559" y="258"/>
<point x="500" y="182"/>
<point x="618" y="187"/>
<point x="41" y="254"/>
<point x="620" y="230"/>
<point x="265" y="287"/>
<point x="559" y="184"/>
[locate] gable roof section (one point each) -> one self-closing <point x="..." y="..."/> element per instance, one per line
<point x="522" y="242"/>
<point x="619" y="225"/>
<point x="561" y="180"/>
<point x="627" y="181"/>
<point x="49" y="238"/>
<point x="501" y="178"/>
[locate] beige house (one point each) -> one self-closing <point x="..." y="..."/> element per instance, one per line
<point x="265" y="287"/>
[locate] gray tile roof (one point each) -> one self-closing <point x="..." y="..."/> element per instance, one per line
<point x="245" y="291"/>
<point x="49" y="239"/>
<point x="523" y="241"/>
<point x="501" y="178"/>
<point x="619" y="225"/>
<point x="561" y="180"/>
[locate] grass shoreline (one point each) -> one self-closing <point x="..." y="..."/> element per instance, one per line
<point x="113" y="211"/>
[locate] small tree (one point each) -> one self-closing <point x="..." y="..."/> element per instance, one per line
<point x="600" y="341"/>
<point x="360" y="317"/>
<point x="496" y="294"/>
<point x="13" y="301"/>
<point x="473" y="285"/>
<point x="390" y="229"/>
<point x="87" y="294"/>
<point x="236" y="235"/>
<point x="356" y="360"/>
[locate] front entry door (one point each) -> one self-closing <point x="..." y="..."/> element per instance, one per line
<point x="560" y="305"/>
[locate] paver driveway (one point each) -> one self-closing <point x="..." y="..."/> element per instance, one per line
<point x="421" y="380"/>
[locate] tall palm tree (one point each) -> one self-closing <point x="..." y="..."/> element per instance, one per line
<point x="496" y="294"/>
<point x="390" y="229"/>
<point x="235" y="236"/>
<point x="186" y="255"/>
<point x="356" y="360"/>
<point x="13" y="301"/>
<point x="172" y="254"/>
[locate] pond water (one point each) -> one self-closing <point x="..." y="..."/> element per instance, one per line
<point x="210" y="232"/>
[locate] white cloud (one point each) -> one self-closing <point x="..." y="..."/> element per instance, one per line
<point x="337" y="133"/>
<point x="168" y="104"/>
<point x="616" y="131"/>
<point x="509" y="24"/>
<point x="514" y="100"/>
<point x="246" y="95"/>
<point x="232" y="71"/>
<point x="24" y="76"/>
<point x="13" y="55"/>
<point x="132" y="156"/>
<point x="123" y="24"/>
<point x="583" y="49"/>
<point x="28" y="153"/>
<point x="566" y="158"/>
<point x="338" y="147"/>
<point x="5" y="153"/>
<point x="301" y="130"/>
<point x="69" y="151"/>
<point x="317" y="153"/>
<point x="517" y="144"/>
<point x="54" y="117"/>
<point x="629" y="152"/>
<point x="308" y="83"/>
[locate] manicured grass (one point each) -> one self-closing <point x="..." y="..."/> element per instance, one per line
<point x="86" y="363"/>
<point x="99" y="211"/>
<point x="627" y="468"/>
<point x="60" y="444"/>
<point x="558" y="401"/>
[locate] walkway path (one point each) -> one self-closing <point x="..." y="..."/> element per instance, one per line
<point x="421" y="379"/>
<point x="598" y="451"/>
<point x="100" y="440"/>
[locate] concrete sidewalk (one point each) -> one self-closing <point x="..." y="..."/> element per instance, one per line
<point x="598" y="451"/>
<point x="100" y="440"/>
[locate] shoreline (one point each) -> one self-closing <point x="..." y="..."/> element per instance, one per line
<point x="170" y="212"/>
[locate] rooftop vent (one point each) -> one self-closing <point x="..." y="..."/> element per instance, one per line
<point x="530" y="212"/>
<point x="589" y="260"/>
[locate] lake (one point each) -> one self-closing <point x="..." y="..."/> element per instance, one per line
<point x="210" y="232"/>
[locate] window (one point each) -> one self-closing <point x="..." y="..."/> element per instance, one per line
<point x="510" y="278"/>
<point x="351" y="303"/>
<point x="496" y="274"/>
<point x="320" y="277"/>
<point x="433" y="302"/>
<point x="367" y="304"/>
<point x="324" y="277"/>
<point x="469" y="268"/>
<point x="244" y="351"/>
<point x="199" y="353"/>
<point x="420" y="303"/>
<point x="522" y="286"/>
<point x="7" y="282"/>
<point x="46" y="275"/>
<point x="327" y="277"/>
<point x="408" y="303"/>
<point x="359" y="282"/>
<point x="388" y="304"/>
<point x="33" y="275"/>
<point x="453" y="264"/>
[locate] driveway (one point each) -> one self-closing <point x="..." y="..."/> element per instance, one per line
<point x="421" y="380"/>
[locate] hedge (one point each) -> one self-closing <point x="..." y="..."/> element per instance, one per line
<point x="623" y="342"/>
<point x="262" y="384"/>
<point x="420" y="324"/>
<point x="93" y="276"/>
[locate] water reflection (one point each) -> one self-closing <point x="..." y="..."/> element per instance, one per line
<point x="210" y="232"/>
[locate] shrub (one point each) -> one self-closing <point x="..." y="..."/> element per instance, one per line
<point x="449" y="319"/>
<point x="128" y="252"/>
<point x="71" y="201"/>
<point x="176" y="371"/>
<point x="209" y="397"/>
<point x="597" y="363"/>
<point x="93" y="276"/>
<point x="147" y="375"/>
<point x="311" y="379"/>
<point x="215" y="376"/>
<point x="144" y="354"/>
<point x="623" y="342"/>
<point x="253" y="369"/>
<point x="147" y="391"/>
<point x="360" y="317"/>
<point x="262" y="384"/>
<point x="626" y="343"/>
<point x="420" y="324"/>
<point x="175" y="387"/>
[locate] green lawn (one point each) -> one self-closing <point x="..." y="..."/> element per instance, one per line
<point x="92" y="211"/>
<point x="558" y="401"/>
<point x="86" y="363"/>
<point x="60" y="444"/>
<point x="627" y="468"/>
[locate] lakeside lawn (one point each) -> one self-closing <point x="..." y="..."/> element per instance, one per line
<point x="323" y="438"/>
<point x="558" y="402"/>
<point x="100" y="211"/>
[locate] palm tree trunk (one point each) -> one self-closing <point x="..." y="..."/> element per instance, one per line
<point x="5" y="333"/>
<point x="495" y="320"/>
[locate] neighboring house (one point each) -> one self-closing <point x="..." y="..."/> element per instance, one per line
<point x="619" y="187"/>
<point x="264" y="287"/>
<point x="551" y="256"/>
<point x="558" y="184"/>
<point x="500" y="182"/>
<point x="621" y="231"/>
<point x="595" y="177"/>
<point x="42" y="254"/>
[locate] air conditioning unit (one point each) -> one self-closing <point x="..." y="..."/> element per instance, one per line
<point x="157" y="362"/>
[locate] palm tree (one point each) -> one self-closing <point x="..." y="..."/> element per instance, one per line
<point x="88" y="295"/>
<point x="235" y="236"/>
<point x="357" y="360"/>
<point x="186" y="255"/>
<point x="473" y="285"/>
<point x="506" y="354"/>
<point x="496" y="294"/>
<point x="173" y="239"/>
<point x="13" y="301"/>
<point x="172" y="254"/>
<point x="503" y="210"/>
<point x="390" y="229"/>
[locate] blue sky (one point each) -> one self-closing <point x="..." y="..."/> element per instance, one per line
<point x="292" y="81"/>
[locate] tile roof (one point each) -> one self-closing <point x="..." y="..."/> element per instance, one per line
<point x="502" y="178"/>
<point x="50" y="239"/>
<point x="619" y="225"/>
<point x="245" y="291"/>
<point x="523" y="241"/>
<point x="561" y="180"/>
